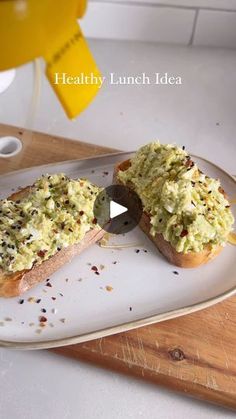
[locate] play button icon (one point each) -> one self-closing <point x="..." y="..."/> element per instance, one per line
<point x="117" y="209"/>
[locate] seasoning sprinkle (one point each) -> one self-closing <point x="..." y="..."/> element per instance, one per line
<point x="31" y="300"/>
<point x="43" y="319"/>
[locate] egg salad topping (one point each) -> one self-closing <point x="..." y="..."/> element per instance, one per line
<point x="55" y="213"/>
<point x="187" y="207"/>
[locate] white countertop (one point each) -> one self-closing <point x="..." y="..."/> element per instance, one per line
<point x="199" y="114"/>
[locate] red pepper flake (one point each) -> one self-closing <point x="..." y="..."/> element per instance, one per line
<point x="184" y="233"/>
<point x="94" y="221"/>
<point x="189" y="163"/>
<point x="78" y="222"/>
<point x="109" y="288"/>
<point x="48" y="284"/>
<point x="94" y="268"/>
<point x="41" y="253"/>
<point x="43" y="319"/>
<point x="81" y="213"/>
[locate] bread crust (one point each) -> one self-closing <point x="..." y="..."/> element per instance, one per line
<point x="183" y="260"/>
<point x="16" y="283"/>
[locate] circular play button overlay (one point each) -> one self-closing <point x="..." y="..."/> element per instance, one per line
<point x="117" y="209"/>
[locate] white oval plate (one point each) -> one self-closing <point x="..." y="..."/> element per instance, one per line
<point x="136" y="286"/>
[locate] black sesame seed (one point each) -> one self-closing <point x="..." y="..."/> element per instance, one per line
<point x="176" y="272"/>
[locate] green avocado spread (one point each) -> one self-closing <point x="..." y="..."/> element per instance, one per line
<point x="187" y="207"/>
<point x="57" y="212"/>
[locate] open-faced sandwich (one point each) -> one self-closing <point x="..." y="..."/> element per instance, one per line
<point x="42" y="227"/>
<point x="186" y="213"/>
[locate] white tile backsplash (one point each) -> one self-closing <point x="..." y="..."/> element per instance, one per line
<point x="211" y="4"/>
<point x="216" y="29"/>
<point x="197" y="22"/>
<point x="137" y="22"/>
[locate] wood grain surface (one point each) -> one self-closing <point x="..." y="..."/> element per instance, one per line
<point x="194" y="354"/>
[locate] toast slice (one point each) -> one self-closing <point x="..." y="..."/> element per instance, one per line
<point x="183" y="260"/>
<point x="13" y="284"/>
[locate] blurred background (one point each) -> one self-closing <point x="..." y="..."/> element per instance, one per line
<point x="193" y="39"/>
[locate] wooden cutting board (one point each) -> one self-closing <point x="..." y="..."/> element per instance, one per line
<point x="194" y="354"/>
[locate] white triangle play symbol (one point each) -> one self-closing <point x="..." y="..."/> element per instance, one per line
<point x="116" y="209"/>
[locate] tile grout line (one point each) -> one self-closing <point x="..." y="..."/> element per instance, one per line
<point x="161" y="5"/>
<point x="194" y="27"/>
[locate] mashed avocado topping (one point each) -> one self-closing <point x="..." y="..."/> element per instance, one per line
<point x="56" y="213"/>
<point x="187" y="207"/>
